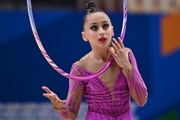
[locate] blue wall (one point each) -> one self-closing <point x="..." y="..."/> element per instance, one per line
<point x="23" y="69"/>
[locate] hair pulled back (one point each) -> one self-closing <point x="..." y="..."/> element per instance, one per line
<point x="90" y="8"/>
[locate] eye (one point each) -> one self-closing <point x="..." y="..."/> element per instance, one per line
<point x="105" y="26"/>
<point x="93" y="27"/>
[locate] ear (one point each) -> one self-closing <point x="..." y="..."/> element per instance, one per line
<point x="84" y="36"/>
<point x="112" y="30"/>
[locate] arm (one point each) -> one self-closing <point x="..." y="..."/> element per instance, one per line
<point x="69" y="111"/>
<point x="126" y="60"/>
<point x="136" y="84"/>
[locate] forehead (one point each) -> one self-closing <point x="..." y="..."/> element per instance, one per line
<point x="97" y="17"/>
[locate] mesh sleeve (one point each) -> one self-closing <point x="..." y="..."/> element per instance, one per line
<point x="137" y="87"/>
<point x="74" y="97"/>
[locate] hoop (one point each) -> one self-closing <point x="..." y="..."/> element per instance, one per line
<point x="46" y="56"/>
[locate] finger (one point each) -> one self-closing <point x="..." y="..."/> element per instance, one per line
<point x="120" y="42"/>
<point x="51" y="97"/>
<point x="46" y="89"/>
<point x="128" y="52"/>
<point x="116" y="43"/>
<point x="114" y="47"/>
<point x="63" y="101"/>
<point x="47" y="95"/>
<point x="112" y="52"/>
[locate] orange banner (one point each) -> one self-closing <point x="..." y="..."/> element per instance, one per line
<point x="170" y="28"/>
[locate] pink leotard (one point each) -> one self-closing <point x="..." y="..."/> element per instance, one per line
<point x="99" y="96"/>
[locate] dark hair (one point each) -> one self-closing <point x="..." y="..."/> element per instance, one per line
<point x="90" y="8"/>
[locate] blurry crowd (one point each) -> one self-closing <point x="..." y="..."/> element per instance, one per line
<point x="137" y="6"/>
<point x="134" y="6"/>
<point x="154" y="6"/>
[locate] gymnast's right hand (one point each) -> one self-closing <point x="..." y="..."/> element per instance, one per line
<point x="55" y="100"/>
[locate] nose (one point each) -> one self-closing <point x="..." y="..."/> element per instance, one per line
<point x="101" y="31"/>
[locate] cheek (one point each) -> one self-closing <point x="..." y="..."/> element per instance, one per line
<point x="92" y="34"/>
<point x="110" y="33"/>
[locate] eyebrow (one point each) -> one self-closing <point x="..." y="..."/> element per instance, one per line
<point x="105" y="21"/>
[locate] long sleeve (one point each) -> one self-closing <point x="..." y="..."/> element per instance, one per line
<point x="137" y="87"/>
<point x="74" y="98"/>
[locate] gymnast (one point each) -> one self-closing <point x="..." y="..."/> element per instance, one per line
<point x="109" y="95"/>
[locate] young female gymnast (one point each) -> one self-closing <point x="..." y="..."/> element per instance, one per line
<point x="107" y="96"/>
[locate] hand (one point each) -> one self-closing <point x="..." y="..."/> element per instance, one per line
<point x="57" y="103"/>
<point x="120" y="53"/>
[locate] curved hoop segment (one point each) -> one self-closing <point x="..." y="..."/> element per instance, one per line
<point x="46" y="56"/>
<point x="123" y="31"/>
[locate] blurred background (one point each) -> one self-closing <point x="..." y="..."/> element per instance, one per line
<point x="153" y="33"/>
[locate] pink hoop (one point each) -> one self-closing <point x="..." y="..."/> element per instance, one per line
<point x="43" y="51"/>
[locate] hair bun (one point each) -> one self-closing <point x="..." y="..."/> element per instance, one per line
<point x="90" y="7"/>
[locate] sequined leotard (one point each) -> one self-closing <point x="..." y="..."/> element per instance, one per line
<point x="98" y="95"/>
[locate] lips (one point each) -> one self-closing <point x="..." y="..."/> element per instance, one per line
<point x="102" y="39"/>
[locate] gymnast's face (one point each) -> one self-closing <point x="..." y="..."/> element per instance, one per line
<point x="98" y="30"/>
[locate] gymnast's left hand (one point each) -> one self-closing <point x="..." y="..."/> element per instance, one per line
<point x="120" y="53"/>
